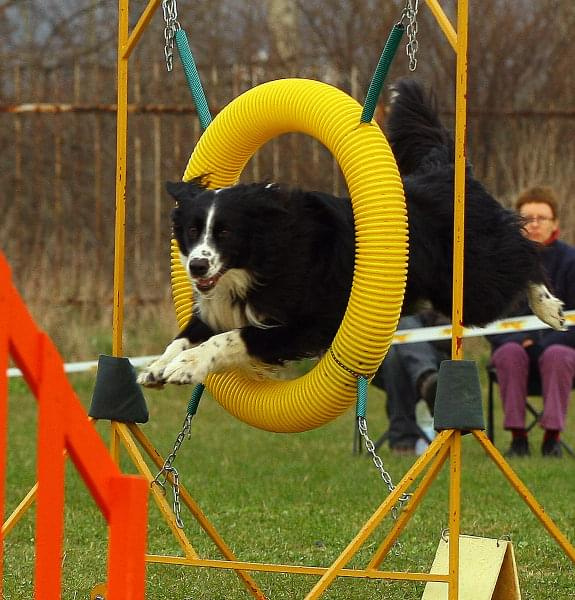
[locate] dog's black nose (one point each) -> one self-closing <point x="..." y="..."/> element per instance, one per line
<point x="198" y="266"/>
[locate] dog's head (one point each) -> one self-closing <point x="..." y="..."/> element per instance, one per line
<point x="215" y="228"/>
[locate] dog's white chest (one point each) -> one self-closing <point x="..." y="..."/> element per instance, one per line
<point x="223" y="308"/>
<point x="222" y="315"/>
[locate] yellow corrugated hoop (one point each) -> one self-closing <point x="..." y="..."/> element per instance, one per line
<point x="366" y="160"/>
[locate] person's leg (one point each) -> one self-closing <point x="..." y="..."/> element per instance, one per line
<point x="399" y="375"/>
<point x="421" y="362"/>
<point x="511" y="362"/>
<point x="557" y="369"/>
<point x="401" y="400"/>
<point x="418" y="357"/>
<point x="512" y="365"/>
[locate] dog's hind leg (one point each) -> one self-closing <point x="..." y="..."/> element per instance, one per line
<point x="546" y="306"/>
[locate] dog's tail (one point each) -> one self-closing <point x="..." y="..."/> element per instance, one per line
<point x="416" y="135"/>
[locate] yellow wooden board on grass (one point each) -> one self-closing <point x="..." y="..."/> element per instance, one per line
<point x="487" y="570"/>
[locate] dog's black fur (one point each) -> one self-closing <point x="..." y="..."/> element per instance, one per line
<point x="297" y="250"/>
<point x="499" y="260"/>
<point x="272" y="266"/>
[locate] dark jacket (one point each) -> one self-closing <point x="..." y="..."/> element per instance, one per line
<point x="559" y="263"/>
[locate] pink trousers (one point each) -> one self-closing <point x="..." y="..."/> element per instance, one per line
<point x="556" y="369"/>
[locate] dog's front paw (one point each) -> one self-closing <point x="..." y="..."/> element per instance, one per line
<point x="188" y="367"/>
<point x="152" y="376"/>
<point x="220" y="353"/>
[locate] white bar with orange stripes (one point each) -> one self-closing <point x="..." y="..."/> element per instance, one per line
<point x="403" y="336"/>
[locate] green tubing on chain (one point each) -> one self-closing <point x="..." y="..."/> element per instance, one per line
<point x="361" y="407"/>
<point x="195" y="399"/>
<point x="205" y="117"/>
<point x="193" y="79"/>
<point x="381" y="72"/>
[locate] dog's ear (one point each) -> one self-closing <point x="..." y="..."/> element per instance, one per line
<point x="185" y="190"/>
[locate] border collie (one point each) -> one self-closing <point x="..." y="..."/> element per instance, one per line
<point x="272" y="266"/>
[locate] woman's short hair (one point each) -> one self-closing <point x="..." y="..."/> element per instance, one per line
<point x="541" y="194"/>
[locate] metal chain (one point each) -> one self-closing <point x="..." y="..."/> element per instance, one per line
<point x="410" y="15"/>
<point x="346" y="368"/>
<point x="168" y="470"/>
<point x="170" y="10"/>
<point x="370" y="447"/>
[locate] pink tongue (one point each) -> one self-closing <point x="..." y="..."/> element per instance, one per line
<point x="207" y="284"/>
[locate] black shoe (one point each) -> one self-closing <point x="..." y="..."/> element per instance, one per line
<point x="519" y="447"/>
<point x="403" y="448"/>
<point x="428" y="388"/>
<point x="552" y="448"/>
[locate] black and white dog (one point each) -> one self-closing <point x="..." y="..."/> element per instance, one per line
<point x="272" y="266"/>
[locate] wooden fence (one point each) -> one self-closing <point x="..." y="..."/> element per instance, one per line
<point x="58" y="179"/>
<point x="57" y="137"/>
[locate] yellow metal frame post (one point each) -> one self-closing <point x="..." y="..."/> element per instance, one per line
<point x="458" y="254"/>
<point x="120" y="434"/>
<point x="126" y="43"/>
<point x="460" y="160"/>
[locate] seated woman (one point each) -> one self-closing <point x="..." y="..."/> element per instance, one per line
<point x="545" y="354"/>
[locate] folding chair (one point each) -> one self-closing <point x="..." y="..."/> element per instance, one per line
<point x="533" y="389"/>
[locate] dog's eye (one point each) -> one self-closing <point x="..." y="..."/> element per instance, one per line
<point x="193" y="233"/>
<point x="224" y="233"/>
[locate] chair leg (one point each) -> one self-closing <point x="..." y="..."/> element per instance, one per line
<point x="383" y="438"/>
<point x="536" y="415"/>
<point x="490" y="427"/>
<point x="357" y="441"/>
<point x="567" y="448"/>
<point x="357" y="446"/>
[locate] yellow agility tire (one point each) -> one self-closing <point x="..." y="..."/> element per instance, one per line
<point x="365" y="158"/>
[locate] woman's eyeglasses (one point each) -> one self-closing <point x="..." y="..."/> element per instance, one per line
<point x="538" y="220"/>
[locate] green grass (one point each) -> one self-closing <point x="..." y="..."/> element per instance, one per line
<point x="296" y="499"/>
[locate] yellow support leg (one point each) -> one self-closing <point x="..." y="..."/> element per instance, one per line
<point x="374" y="521"/>
<point x="527" y="496"/>
<point x="139" y="28"/>
<point x="19" y="511"/>
<point x="410" y="507"/>
<point x="157" y="493"/>
<point x="443" y="22"/>
<point x="187" y="499"/>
